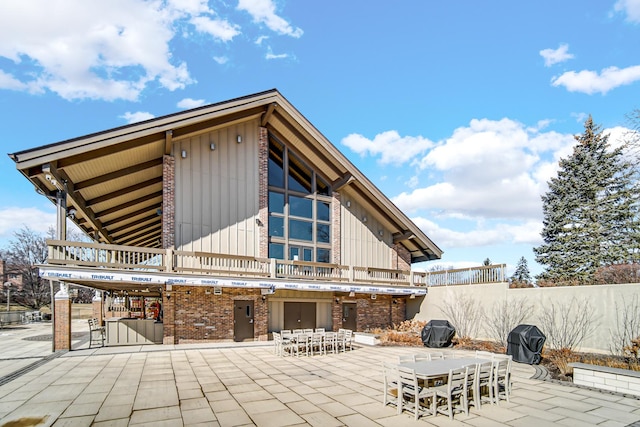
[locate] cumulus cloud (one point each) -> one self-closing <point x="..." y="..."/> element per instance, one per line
<point x="188" y="103"/>
<point x="112" y="50"/>
<point x="631" y="8"/>
<point x="138" y="116"/>
<point x="264" y="11"/>
<point x="271" y="55"/>
<point x="221" y="59"/>
<point x="14" y="218"/>
<point x="555" y="56"/>
<point x="590" y="82"/>
<point x="489" y="169"/>
<point x="390" y="146"/>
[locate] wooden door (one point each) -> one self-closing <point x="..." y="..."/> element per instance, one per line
<point x="299" y="315"/>
<point x="349" y="316"/>
<point x="243" y="321"/>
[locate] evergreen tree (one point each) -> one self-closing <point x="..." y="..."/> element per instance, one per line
<point x="591" y="212"/>
<point x="521" y="275"/>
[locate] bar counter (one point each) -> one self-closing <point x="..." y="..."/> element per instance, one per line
<point x="130" y="331"/>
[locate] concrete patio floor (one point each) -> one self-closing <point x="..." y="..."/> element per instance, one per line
<point x="247" y="384"/>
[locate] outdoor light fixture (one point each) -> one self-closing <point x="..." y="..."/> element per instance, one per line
<point x="71" y="213"/>
<point x="183" y="154"/>
<point x="413" y="296"/>
<point x="337" y="300"/>
<point x="168" y="296"/>
<point x="374" y="296"/>
<point x="258" y="222"/>
<point x="352" y="294"/>
<point x="364" y="219"/>
<point x="348" y="203"/>
<point x="239" y="139"/>
<point x="212" y="146"/>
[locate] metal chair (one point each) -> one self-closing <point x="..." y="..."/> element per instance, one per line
<point x="96" y="332"/>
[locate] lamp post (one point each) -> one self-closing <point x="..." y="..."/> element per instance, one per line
<point x="8" y="286"/>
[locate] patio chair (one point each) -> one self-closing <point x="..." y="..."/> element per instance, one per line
<point x="419" y="357"/>
<point x="436" y="355"/>
<point x="302" y="344"/>
<point x="96" y="332"/>
<point x="455" y="390"/>
<point x="502" y="378"/>
<point x="482" y="385"/>
<point x="390" y="384"/>
<point x="330" y="342"/>
<point x="316" y="343"/>
<point x="307" y="331"/>
<point x="481" y="354"/>
<point x="411" y="394"/>
<point x="348" y="339"/>
<point x="297" y="331"/>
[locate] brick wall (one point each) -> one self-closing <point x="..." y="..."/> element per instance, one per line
<point x="381" y="312"/>
<point x="168" y="201"/>
<point x="200" y="316"/>
<point x="263" y="192"/>
<point x="402" y="258"/>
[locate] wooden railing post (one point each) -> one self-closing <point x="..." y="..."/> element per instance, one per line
<point x="168" y="260"/>
<point x="272" y="268"/>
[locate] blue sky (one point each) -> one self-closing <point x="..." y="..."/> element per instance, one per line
<point x="457" y="111"/>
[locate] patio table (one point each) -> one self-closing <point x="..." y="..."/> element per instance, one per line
<point x="429" y="369"/>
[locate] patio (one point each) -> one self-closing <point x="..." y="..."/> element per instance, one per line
<point x="231" y="384"/>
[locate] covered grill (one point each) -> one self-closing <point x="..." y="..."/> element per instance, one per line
<point x="525" y="344"/>
<point x="438" y="333"/>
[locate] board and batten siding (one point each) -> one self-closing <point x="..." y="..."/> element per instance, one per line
<point x="217" y="191"/>
<point x="361" y="243"/>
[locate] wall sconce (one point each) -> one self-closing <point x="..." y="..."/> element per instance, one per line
<point x="394" y="301"/>
<point x="348" y="203"/>
<point x="413" y="296"/>
<point x="264" y="298"/>
<point x="168" y="296"/>
<point x="352" y="294"/>
<point x="337" y="300"/>
<point x="239" y="139"/>
<point x="159" y="211"/>
<point x="364" y="219"/>
<point x="188" y="292"/>
<point x="381" y="233"/>
<point x="212" y="146"/>
<point x="374" y="296"/>
<point x="258" y="222"/>
<point x="183" y="154"/>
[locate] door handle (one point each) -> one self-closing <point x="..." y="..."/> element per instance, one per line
<point x="251" y="321"/>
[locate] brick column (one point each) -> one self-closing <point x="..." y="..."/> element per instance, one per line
<point x="62" y="319"/>
<point x="96" y="303"/>
<point x="263" y="193"/>
<point x="402" y="258"/>
<point x="168" y="202"/>
<point x="169" y="315"/>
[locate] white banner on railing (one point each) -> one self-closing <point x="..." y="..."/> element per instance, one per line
<point x="158" y="279"/>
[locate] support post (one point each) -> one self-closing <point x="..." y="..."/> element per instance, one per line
<point x="62" y="319"/>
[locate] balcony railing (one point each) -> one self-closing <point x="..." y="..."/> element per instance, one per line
<point x="80" y="254"/>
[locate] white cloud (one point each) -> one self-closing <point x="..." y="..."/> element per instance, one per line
<point x="590" y="82"/>
<point x="136" y="117"/>
<point x="7" y="81"/>
<point x="390" y="146"/>
<point x="500" y="233"/>
<point x="221" y="59"/>
<point x="14" y="218"/>
<point x="188" y="103"/>
<point x="271" y="55"/>
<point x="260" y="39"/>
<point x="630" y="7"/>
<point x="264" y="11"/>
<point x="489" y="169"/>
<point x="217" y="28"/>
<point x="556" y="56"/>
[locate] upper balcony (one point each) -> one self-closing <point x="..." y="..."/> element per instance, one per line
<point x="136" y="259"/>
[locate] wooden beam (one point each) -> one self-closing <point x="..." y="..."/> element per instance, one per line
<point x="129" y="204"/>
<point x="127" y="190"/>
<point x="131" y="215"/>
<point x="405" y="235"/>
<point x="342" y="182"/>
<point x="168" y="140"/>
<point x="267" y="114"/>
<point x="117" y="174"/>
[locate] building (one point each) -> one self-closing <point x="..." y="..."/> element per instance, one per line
<point x="240" y="217"/>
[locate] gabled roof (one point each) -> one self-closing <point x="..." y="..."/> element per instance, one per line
<point x="114" y="178"/>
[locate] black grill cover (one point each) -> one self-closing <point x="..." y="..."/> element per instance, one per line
<point x="438" y="333"/>
<point x="525" y="343"/>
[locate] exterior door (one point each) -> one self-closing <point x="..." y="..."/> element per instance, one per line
<point x="299" y="315"/>
<point x="349" y="316"/>
<point x="243" y="321"/>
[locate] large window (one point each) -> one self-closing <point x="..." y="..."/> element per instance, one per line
<point x="299" y="208"/>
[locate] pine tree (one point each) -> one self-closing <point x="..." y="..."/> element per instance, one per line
<point x="521" y="275"/>
<point x="591" y="212"/>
